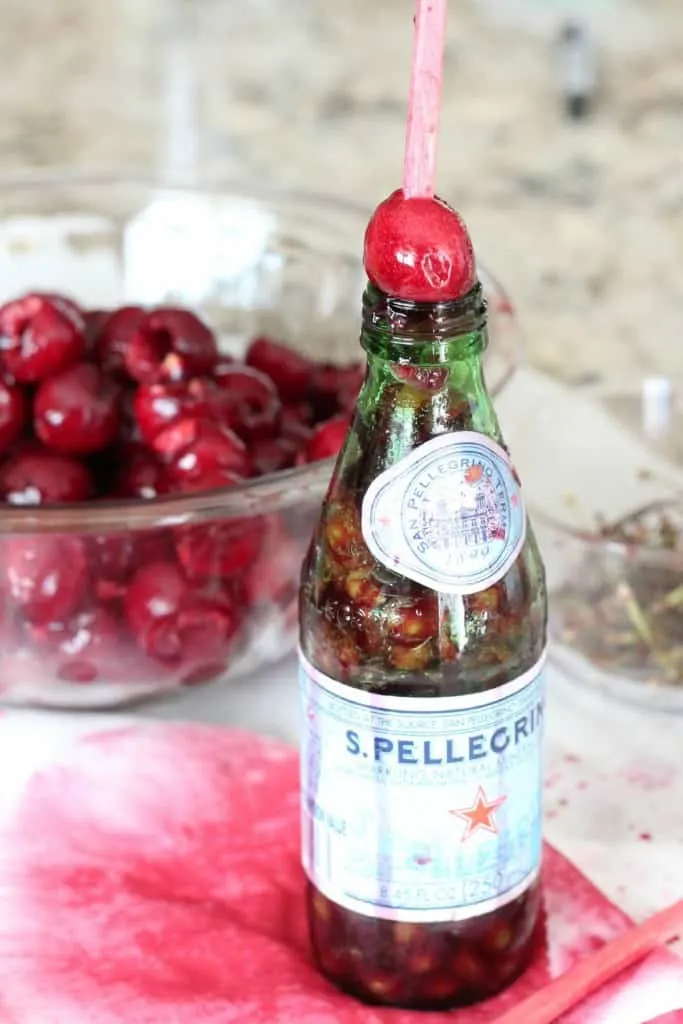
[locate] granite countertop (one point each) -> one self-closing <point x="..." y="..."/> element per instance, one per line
<point x="583" y="222"/>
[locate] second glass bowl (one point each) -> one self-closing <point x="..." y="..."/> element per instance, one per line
<point x="607" y="504"/>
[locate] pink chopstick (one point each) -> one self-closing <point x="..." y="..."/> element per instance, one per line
<point x="424" y="103"/>
<point x="567" y="991"/>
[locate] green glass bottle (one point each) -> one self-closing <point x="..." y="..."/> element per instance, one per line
<point x="423" y="634"/>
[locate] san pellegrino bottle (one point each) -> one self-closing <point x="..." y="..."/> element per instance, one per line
<point x="423" y="634"/>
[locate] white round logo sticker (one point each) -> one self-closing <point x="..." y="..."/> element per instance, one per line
<point x="450" y="515"/>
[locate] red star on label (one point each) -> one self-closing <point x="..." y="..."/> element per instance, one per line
<point x="515" y="500"/>
<point x="310" y="713"/>
<point x="480" y="814"/>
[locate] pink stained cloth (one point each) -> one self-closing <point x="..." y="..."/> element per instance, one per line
<point x="152" y="876"/>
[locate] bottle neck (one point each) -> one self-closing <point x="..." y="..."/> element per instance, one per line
<point x="422" y="334"/>
<point x="432" y="353"/>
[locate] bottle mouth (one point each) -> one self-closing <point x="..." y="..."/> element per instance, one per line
<point x="408" y="322"/>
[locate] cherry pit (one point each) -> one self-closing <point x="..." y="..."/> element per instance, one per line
<point x="135" y="404"/>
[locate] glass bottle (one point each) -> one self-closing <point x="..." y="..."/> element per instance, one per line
<point x="423" y="633"/>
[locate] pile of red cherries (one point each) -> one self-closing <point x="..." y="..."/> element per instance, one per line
<point x="135" y="404"/>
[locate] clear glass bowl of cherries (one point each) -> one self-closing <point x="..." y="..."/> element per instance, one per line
<point x="177" y="369"/>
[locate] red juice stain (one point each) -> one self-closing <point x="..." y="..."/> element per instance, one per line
<point x="645" y="837"/>
<point x="155" y="877"/>
<point x="571" y="759"/>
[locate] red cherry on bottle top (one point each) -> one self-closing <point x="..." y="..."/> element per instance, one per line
<point x="419" y="250"/>
<point x="36" y="477"/>
<point x="77" y="411"/>
<point x="39" y="336"/>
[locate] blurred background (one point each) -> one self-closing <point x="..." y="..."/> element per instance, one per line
<point x="582" y="218"/>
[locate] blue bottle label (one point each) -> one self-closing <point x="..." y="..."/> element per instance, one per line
<point x="421" y="809"/>
<point x="450" y="515"/>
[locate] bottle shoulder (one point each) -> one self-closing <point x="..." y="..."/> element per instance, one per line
<point x="423" y="574"/>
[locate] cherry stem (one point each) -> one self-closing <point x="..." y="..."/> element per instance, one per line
<point x="424" y="102"/>
<point x="567" y="991"/>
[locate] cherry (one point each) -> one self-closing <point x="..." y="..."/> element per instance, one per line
<point x="289" y="371"/>
<point x="39" y="336"/>
<point x="64" y="300"/>
<point x="86" y="648"/>
<point x="220" y="549"/>
<point x="46" y="576"/>
<point x="271" y="454"/>
<point x="224" y="364"/>
<point x="411" y="620"/>
<point x="129" y="428"/>
<point x="344" y="536"/>
<point x="192" y="449"/>
<point x="140" y="474"/>
<point x="176" y="621"/>
<point x="252" y="407"/>
<point x="362" y="588"/>
<point x="295" y="422"/>
<point x="157" y="405"/>
<point x="37" y="477"/>
<point x="77" y="411"/>
<point x="113" y="557"/>
<point x="469" y="968"/>
<point x="274" y="578"/>
<point x="112" y="339"/>
<point x="208" y="552"/>
<point x="326" y="440"/>
<point x="13" y="413"/>
<point x="170" y="344"/>
<point x="94" y="320"/>
<point x="335" y="388"/>
<point x="419" y="250"/>
<point x="215" y="479"/>
<point x="347" y="398"/>
<point x="423" y="378"/>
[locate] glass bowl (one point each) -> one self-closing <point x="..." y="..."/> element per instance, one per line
<point x="77" y="581"/>
<point x="613" y="487"/>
